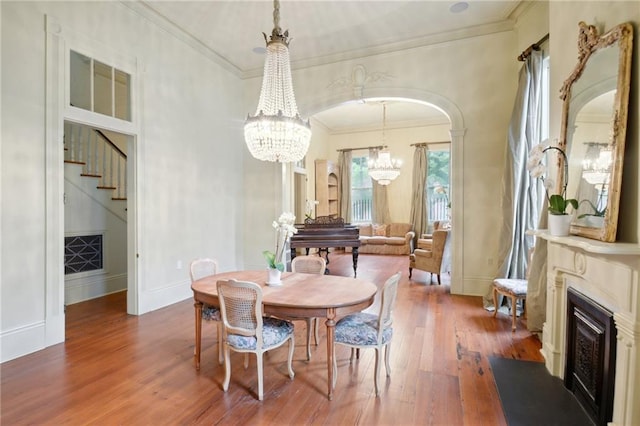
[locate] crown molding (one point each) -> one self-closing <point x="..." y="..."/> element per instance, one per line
<point x="445" y="37"/>
<point x="165" y="24"/>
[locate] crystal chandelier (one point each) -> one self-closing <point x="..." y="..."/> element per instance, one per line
<point x="384" y="169"/>
<point x="596" y="167"/>
<point x="276" y="132"/>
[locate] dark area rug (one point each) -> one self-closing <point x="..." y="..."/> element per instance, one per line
<point x="531" y="396"/>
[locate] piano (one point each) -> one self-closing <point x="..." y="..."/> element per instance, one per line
<point x="325" y="232"/>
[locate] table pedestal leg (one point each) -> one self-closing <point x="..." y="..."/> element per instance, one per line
<point x="196" y="356"/>
<point x="331" y="315"/>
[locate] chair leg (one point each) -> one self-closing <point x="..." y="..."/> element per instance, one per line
<point x="438" y="275"/>
<point x="514" y="312"/>
<point x="495" y="301"/>
<point x="227" y="369"/>
<point x="309" y="324"/>
<point x="220" y="340"/>
<point x="260" y="378"/>
<point x="377" y="371"/>
<point x="386" y="359"/>
<point x="292" y="346"/>
<point x="316" y="326"/>
<point x="410" y="271"/>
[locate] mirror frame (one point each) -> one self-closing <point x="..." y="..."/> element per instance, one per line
<point x="589" y="42"/>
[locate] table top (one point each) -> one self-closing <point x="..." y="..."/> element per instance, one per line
<point x="297" y="289"/>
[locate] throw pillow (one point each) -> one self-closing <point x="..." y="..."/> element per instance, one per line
<point x="380" y="230"/>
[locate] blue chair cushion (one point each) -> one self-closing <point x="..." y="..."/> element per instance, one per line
<point x="361" y="329"/>
<point x="274" y="331"/>
<point x="210" y="313"/>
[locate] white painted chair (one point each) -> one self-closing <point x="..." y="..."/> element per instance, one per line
<point x="366" y="330"/>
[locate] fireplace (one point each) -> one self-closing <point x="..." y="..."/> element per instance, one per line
<point x="591" y="353"/>
<point x="607" y="274"/>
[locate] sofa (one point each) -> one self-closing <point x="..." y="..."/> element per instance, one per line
<point x="390" y="238"/>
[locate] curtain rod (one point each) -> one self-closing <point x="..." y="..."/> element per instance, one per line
<point x="364" y="147"/>
<point x="535" y="46"/>
<point x="429" y="143"/>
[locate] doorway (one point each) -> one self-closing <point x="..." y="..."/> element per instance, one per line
<point x="96" y="201"/>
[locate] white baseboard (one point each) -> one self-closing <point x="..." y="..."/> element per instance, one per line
<point x="22" y="341"/>
<point x="91" y="287"/>
<point x="162" y="297"/>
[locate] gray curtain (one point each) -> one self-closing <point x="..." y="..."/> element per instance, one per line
<point x="379" y="200"/>
<point x="344" y="162"/>
<point x="418" y="216"/>
<point x="522" y="195"/>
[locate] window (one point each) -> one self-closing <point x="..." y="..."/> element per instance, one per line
<point x="99" y="87"/>
<point x="361" y="189"/>
<point x="438" y="188"/>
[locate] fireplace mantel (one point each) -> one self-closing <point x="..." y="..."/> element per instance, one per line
<point x="607" y="273"/>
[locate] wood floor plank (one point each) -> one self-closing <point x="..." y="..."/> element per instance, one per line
<point x="116" y="368"/>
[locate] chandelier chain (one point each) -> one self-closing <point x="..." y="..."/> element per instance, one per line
<point x="276" y="16"/>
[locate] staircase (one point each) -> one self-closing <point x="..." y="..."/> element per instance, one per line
<point x="100" y="164"/>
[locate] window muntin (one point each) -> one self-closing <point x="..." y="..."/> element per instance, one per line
<point x="99" y="87"/>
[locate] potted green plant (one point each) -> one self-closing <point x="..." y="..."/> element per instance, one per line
<point x="285" y="228"/>
<point x="596" y="217"/>
<point x="558" y="219"/>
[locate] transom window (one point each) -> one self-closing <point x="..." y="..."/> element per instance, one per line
<point x="99" y="87"/>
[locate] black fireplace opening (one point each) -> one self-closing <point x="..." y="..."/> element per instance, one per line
<point x="591" y="356"/>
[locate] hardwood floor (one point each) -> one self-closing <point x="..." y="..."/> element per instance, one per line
<point x="120" y="369"/>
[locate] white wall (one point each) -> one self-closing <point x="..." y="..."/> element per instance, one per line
<point x="189" y="158"/>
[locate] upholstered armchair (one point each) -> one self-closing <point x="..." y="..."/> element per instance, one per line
<point x="426" y="240"/>
<point x="430" y="260"/>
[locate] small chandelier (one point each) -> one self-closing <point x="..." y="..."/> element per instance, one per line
<point x="276" y="132"/>
<point x="596" y="167"/>
<point x="384" y="169"/>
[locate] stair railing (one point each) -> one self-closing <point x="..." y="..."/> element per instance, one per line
<point x="101" y="158"/>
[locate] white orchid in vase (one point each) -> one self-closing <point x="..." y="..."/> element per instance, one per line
<point x="558" y="204"/>
<point x="285" y="228"/>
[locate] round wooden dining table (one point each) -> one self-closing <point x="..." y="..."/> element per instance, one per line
<point x="299" y="296"/>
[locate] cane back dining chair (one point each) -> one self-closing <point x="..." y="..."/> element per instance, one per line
<point x="310" y="265"/>
<point x="367" y="330"/>
<point x="247" y="331"/>
<point x="200" y="268"/>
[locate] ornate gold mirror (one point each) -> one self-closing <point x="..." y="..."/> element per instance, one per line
<point x="594" y="123"/>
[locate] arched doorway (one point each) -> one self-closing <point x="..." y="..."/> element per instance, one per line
<point x="456" y="133"/>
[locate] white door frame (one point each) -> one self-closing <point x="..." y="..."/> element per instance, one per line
<point x="59" y="42"/>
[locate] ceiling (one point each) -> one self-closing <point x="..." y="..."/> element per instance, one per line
<point x="327" y="31"/>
